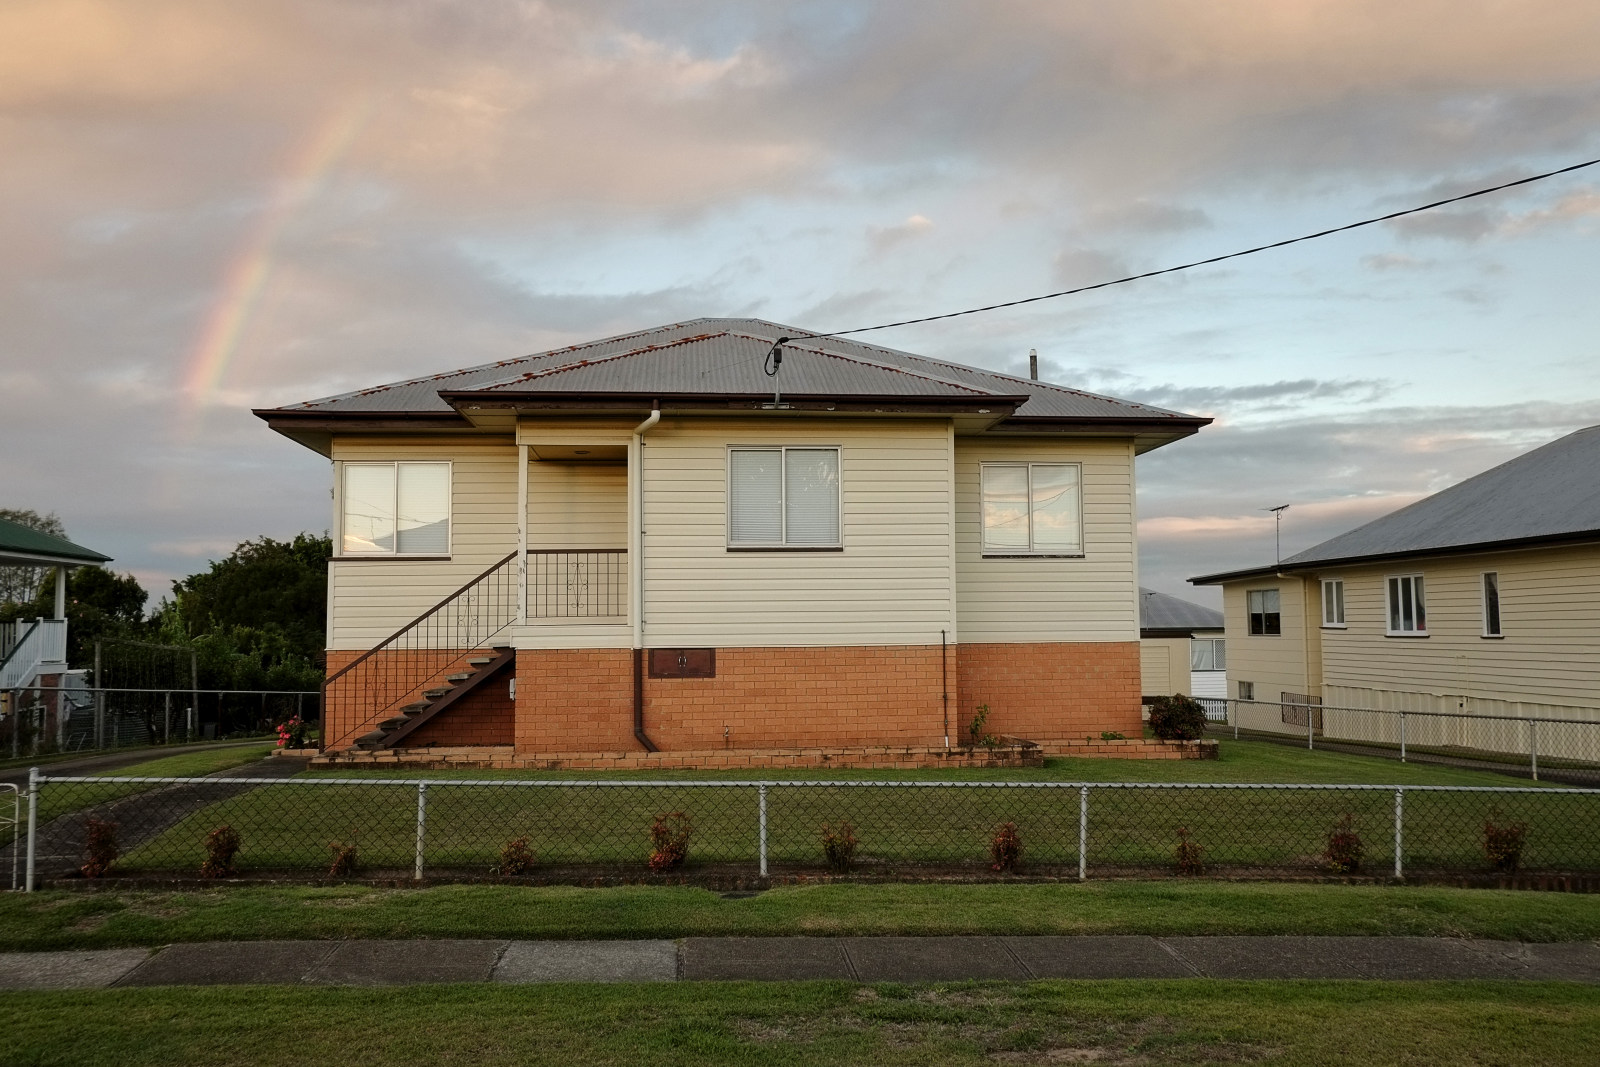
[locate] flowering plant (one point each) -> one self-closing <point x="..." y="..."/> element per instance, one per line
<point x="293" y="733"/>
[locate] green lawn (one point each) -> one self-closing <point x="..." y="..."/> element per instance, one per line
<point x="1146" y="1022"/>
<point x="109" y="918"/>
<point x="54" y="802"/>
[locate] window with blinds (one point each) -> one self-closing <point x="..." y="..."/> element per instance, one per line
<point x="783" y="498"/>
<point x="395" y="509"/>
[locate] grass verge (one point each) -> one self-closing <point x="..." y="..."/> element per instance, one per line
<point x="63" y="919"/>
<point x="1289" y="1023"/>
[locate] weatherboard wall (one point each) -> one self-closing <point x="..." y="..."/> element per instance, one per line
<point x="1094" y="598"/>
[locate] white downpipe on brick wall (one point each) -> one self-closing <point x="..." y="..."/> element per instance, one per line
<point x="636" y="527"/>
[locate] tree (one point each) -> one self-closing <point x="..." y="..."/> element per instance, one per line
<point x="258" y="618"/>
<point x="19" y="585"/>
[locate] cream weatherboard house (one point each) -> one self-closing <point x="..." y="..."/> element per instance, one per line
<point x="1181" y="647"/>
<point x="651" y="543"/>
<point x="1482" y="599"/>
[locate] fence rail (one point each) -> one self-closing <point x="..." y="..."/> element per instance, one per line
<point x="40" y="719"/>
<point x="571" y="830"/>
<point x="1560" y="749"/>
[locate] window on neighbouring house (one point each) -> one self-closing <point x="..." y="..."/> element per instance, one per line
<point x="1408" y="615"/>
<point x="1491" y="604"/>
<point x="1207" y="654"/>
<point x="1333" y="602"/>
<point x="1247" y="690"/>
<point x="783" y="498"/>
<point x="1032" y="509"/>
<point x="1265" y="618"/>
<point x="391" y="509"/>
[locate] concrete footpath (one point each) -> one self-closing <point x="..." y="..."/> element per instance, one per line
<point x="855" y="959"/>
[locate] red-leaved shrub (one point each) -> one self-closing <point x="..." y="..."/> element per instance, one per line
<point x="100" y="849"/>
<point x="669" y="841"/>
<point x="1005" y="848"/>
<point x="222" y="844"/>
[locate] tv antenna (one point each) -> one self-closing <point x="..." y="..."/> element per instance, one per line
<point x="1277" y="531"/>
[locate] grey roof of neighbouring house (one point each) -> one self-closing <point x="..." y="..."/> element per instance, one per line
<point x="1158" y="611"/>
<point x="24" y="545"/>
<point x="724" y="357"/>
<point x="1551" y="494"/>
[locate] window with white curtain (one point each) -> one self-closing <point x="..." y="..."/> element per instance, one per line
<point x="784" y="497"/>
<point x="1408" y="615"/>
<point x="1032" y="509"/>
<point x="1208" y="654"/>
<point x="395" y="509"/>
<point x="1333" y="602"/>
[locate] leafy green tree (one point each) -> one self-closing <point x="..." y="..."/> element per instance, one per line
<point x="257" y="619"/>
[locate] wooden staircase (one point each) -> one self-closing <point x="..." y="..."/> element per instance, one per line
<point x="440" y="698"/>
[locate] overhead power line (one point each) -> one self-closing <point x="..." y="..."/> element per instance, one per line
<point x="1204" y="262"/>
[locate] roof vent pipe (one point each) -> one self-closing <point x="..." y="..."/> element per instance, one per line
<point x="1033" y="364"/>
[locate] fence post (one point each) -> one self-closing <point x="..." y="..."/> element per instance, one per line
<point x="1533" y="747"/>
<point x="1399" y="824"/>
<point x="1083" y="833"/>
<point x="1311" y="740"/>
<point x="33" y="823"/>
<point x="761" y="796"/>
<point x="166" y="720"/>
<point x="1402" y="737"/>
<point x="422" y="826"/>
<point x="1233" y="709"/>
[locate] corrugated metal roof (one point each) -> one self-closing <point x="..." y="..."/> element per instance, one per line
<point x="18" y="542"/>
<point x="724" y="356"/>
<point x="1551" y="493"/>
<point x="1158" y="611"/>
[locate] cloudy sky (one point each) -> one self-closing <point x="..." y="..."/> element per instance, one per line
<point x="209" y="207"/>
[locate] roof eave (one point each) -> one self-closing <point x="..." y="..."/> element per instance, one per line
<point x="1511" y="544"/>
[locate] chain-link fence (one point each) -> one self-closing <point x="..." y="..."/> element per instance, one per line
<point x="1557" y="749"/>
<point x="35" y="720"/>
<point x="575" y="831"/>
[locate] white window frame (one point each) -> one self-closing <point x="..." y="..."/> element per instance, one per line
<point x="783" y="498"/>
<point x="1329" y="621"/>
<point x="450" y="509"/>
<point x="1499" y="605"/>
<point x="1215" y="643"/>
<point x="1248" y="593"/>
<point x="1419" y="599"/>
<point x="1031" y="553"/>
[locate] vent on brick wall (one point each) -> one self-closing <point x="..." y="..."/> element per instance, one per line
<point x="683" y="663"/>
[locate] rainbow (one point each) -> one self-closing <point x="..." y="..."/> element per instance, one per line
<point x="245" y="277"/>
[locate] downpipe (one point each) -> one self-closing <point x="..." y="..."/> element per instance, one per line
<point x="636" y="572"/>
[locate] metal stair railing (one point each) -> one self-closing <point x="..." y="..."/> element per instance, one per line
<point x="376" y="684"/>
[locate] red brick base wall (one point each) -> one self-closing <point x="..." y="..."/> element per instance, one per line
<point x="581" y="700"/>
<point x="1057" y="691"/>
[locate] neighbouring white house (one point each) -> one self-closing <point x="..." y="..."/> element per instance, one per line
<point x="33" y="652"/>
<point x="1181" y="647"/>
<point x="724" y="536"/>
<point x="1482" y="599"/>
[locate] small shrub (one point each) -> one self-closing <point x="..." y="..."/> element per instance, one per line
<point x="669" y="841"/>
<point x="1177" y="718"/>
<point x="222" y="845"/>
<point x="1005" y="848"/>
<point x="1112" y="735"/>
<point x="839" y="846"/>
<point x="1191" y="857"/>
<point x="1345" y="849"/>
<point x="100" y="849"/>
<point x="515" y="858"/>
<point x="977" y="729"/>
<point x="293" y="733"/>
<point x="346" y="859"/>
<point x="1502" y="843"/>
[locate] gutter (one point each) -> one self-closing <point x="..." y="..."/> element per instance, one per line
<point x="636" y="571"/>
